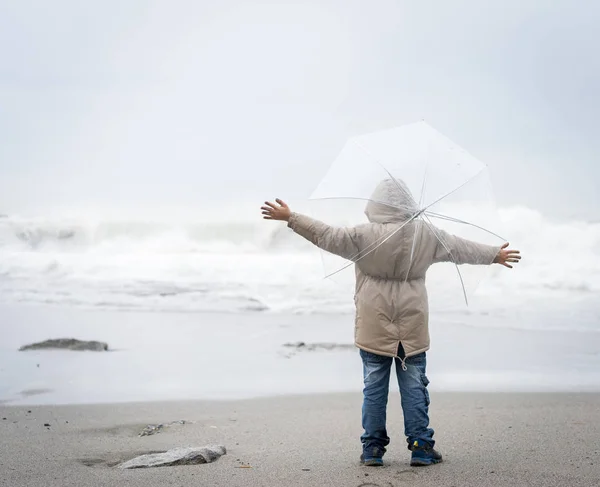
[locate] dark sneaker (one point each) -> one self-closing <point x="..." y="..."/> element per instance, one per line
<point x="423" y="455"/>
<point x="373" y="457"/>
<point x="371" y="461"/>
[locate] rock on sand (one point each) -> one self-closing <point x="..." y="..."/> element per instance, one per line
<point x="67" y="344"/>
<point x="177" y="456"/>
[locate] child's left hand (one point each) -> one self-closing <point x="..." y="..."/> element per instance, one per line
<point x="281" y="211"/>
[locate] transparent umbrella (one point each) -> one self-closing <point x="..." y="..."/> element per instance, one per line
<point x="421" y="175"/>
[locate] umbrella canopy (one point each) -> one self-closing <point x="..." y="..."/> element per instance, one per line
<point x="415" y="176"/>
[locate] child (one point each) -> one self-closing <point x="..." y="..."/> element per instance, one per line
<point x="391" y="322"/>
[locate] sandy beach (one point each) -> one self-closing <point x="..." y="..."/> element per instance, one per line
<point x="308" y="440"/>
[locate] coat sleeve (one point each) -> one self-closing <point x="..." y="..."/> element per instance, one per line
<point x="450" y="248"/>
<point x="336" y="240"/>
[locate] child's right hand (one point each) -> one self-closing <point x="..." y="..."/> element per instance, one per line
<point x="281" y="211"/>
<point x="507" y="255"/>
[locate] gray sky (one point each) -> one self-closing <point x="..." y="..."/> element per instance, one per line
<point x="141" y="103"/>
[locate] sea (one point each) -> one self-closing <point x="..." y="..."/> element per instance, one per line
<point x="197" y="307"/>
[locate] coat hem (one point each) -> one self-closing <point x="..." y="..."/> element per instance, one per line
<point x="393" y="355"/>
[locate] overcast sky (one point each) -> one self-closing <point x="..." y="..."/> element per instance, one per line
<point x="186" y="103"/>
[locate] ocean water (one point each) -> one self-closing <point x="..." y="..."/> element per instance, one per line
<point x="198" y="309"/>
<point x="195" y="265"/>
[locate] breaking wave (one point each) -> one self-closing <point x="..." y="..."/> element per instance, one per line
<point x="248" y="265"/>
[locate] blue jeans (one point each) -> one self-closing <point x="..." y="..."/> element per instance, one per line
<point x="413" y="393"/>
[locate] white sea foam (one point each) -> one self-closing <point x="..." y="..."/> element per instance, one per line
<point x="185" y="265"/>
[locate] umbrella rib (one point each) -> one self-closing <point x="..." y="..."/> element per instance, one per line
<point x="417" y="228"/>
<point x="412" y="251"/>
<point x="324" y="198"/>
<point x="425" y="176"/>
<point x="423" y="186"/>
<point x="441" y="240"/>
<point x="368" y="249"/>
<point x="456" y="220"/>
<point x="452" y="192"/>
<point x="375" y="245"/>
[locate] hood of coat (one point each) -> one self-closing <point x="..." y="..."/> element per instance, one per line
<point x="391" y="202"/>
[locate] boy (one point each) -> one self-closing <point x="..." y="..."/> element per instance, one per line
<point x="391" y="322"/>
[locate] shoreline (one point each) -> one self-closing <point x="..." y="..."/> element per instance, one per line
<point x="284" y="396"/>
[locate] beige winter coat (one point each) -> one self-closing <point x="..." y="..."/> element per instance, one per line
<point x="390" y="294"/>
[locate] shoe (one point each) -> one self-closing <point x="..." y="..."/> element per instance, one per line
<point x="371" y="461"/>
<point x="373" y="458"/>
<point x="423" y="454"/>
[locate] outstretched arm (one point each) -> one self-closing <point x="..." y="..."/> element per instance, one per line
<point x="451" y="248"/>
<point x="336" y="240"/>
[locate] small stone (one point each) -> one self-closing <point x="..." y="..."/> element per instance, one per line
<point x="151" y="429"/>
<point x="29" y="412"/>
<point x="4" y="419"/>
<point x="306" y="469"/>
<point x="47" y="425"/>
